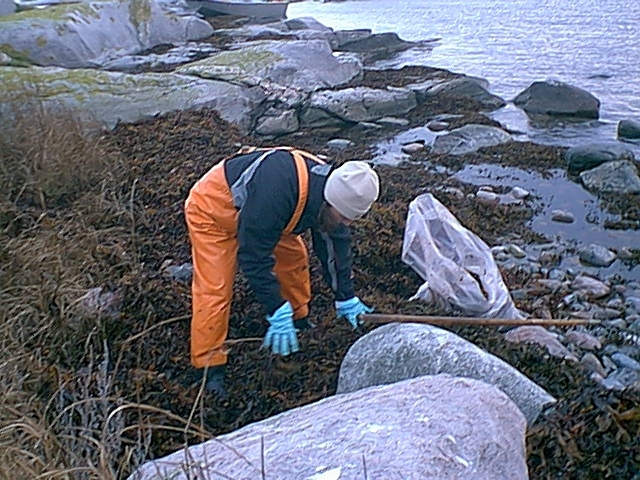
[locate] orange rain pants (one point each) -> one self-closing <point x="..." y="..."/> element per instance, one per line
<point x="212" y="222"/>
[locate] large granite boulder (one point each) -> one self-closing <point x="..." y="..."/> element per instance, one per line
<point x="112" y="97"/>
<point x="307" y="65"/>
<point x="612" y="177"/>
<point x="436" y="427"/>
<point x="463" y="88"/>
<point x="399" y="351"/>
<point x="558" y="99"/>
<point x="361" y="104"/>
<point x="469" y="139"/>
<point x="376" y="46"/>
<point x="586" y="157"/>
<point x="91" y="33"/>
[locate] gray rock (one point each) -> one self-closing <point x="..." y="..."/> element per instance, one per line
<point x="629" y="129"/>
<point x="396" y="352"/>
<point x="558" y="99"/>
<point x="464" y="87"/>
<point x="175" y="56"/>
<point x="583" y="340"/>
<point x="5" y="59"/>
<point x="488" y="198"/>
<point x="626" y="253"/>
<point x="285" y="122"/>
<point x="469" y="139"/>
<point x="7" y="7"/>
<point x="306" y="23"/>
<point x="586" y="157"/>
<point x="517" y="252"/>
<point x="608" y="363"/>
<point x="622" y="379"/>
<point x="590" y="286"/>
<point x="633" y="303"/>
<point x="344" y="37"/>
<point x="598" y="256"/>
<point x="376" y="46"/>
<point x="307" y="65"/>
<point x="562" y="216"/>
<point x="86" y="34"/>
<point x="112" y="97"/>
<point x="362" y="104"/>
<point x="412" y="148"/>
<point x="591" y="362"/>
<point x="339" y="143"/>
<point x="540" y="336"/>
<point x="634" y="321"/>
<point x="625" y="361"/>
<point x="557" y="274"/>
<point x="618" y="323"/>
<point x="519" y="193"/>
<point x="317" y="118"/>
<point x="99" y="301"/>
<point x="612" y="177"/>
<point x="606" y="313"/>
<point x="466" y="428"/>
<point x="394" y="122"/>
<point x="437" y="126"/>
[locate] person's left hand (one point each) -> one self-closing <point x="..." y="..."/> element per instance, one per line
<point x="351" y="309"/>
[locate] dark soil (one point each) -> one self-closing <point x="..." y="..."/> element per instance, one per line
<point x="590" y="434"/>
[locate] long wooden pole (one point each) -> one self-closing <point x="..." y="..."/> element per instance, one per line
<point x="492" y="322"/>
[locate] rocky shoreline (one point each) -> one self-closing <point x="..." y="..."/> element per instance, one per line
<point x="303" y="84"/>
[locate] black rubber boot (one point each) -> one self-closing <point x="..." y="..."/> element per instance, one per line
<point x="215" y="382"/>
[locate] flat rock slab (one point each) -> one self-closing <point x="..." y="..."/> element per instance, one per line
<point x="112" y="97"/>
<point x="89" y="34"/>
<point x="591" y="155"/>
<point x="469" y="139"/>
<point x="395" y="352"/>
<point x="612" y="177"/>
<point x="363" y="104"/>
<point x="307" y="65"/>
<point x="436" y="427"/>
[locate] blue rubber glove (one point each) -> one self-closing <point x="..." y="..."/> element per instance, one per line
<point x="281" y="335"/>
<point x="350" y="309"/>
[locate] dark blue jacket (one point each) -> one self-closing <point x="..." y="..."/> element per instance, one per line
<point x="269" y="196"/>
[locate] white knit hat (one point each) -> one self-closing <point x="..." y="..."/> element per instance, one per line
<point x="352" y="188"/>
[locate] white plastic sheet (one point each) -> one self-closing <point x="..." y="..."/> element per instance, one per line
<point x="457" y="266"/>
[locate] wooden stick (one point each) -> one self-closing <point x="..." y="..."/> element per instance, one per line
<point x="493" y="322"/>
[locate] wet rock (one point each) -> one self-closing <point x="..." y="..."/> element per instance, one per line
<point x="339" y="143"/>
<point x="557" y="274"/>
<point x="583" y="340"/>
<point x="282" y="123"/>
<point x="487" y="198"/>
<point x="7" y="7"/>
<point x="456" y="192"/>
<point x="86" y="34"/>
<point x="395" y="352"/>
<point x="618" y="323"/>
<point x="629" y="129"/>
<point x="613" y="177"/>
<point x="625" y="361"/>
<point x="307" y="65"/>
<point x="558" y="99"/>
<point x="605" y="313"/>
<point x="464" y="426"/>
<point x="586" y="157"/>
<point x="626" y="253"/>
<point x="316" y="118"/>
<point x="541" y="336"/>
<point x="598" y="256"/>
<point x="463" y="88"/>
<point x="469" y="139"/>
<point x="182" y="273"/>
<point x="412" y="148"/>
<point x="633" y="303"/>
<point x="590" y="286"/>
<point x="622" y="379"/>
<point x="394" y="122"/>
<point x="608" y="363"/>
<point x="517" y="252"/>
<point x="115" y="97"/>
<point x="437" y="126"/>
<point x="519" y="193"/>
<point x="362" y="104"/>
<point x="635" y="323"/>
<point x="344" y="37"/>
<point x="562" y="216"/>
<point x="591" y="362"/>
<point x="549" y="258"/>
<point x="376" y="46"/>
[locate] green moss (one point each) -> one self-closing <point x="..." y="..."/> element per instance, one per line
<point x="18" y="58"/>
<point x="54" y="12"/>
<point x="41" y="41"/>
<point x="139" y="12"/>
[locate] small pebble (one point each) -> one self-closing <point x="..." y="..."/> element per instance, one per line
<point x="633" y="303"/>
<point x="562" y="216"/>
<point x="615" y="303"/>
<point x="339" y="143"/>
<point x="557" y="274"/>
<point x="590" y="361"/>
<point x="485" y="188"/>
<point x="487" y="198"/>
<point x="625" y="253"/>
<point x="621" y="379"/>
<point x="625" y="361"/>
<point x="456" y="192"/>
<point x="635" y="323"/>
<point x="608" y="363"/>
<point x="597" y="255"/>
<point x="437" y="126"/>
<point x="617" y="323"/>
<point x="393" y="121"/>
<point x="412" y="148"/>
<point x="606" y="314"/>
<point x="517" y="252"/>
<point x="519" y="193"/>
<point x="590" y="285"/>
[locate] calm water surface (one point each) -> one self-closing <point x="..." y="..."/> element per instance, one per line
<point x="593" y="44"/>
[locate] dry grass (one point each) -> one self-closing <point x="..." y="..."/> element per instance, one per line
<point x="61" y="212"/>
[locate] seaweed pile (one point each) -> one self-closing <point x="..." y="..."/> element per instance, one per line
<point x="137" y="362"/>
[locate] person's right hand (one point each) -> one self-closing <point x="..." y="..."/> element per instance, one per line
<point x="281" y="335"/>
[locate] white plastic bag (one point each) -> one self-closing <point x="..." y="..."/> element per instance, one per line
<point x="457" y="266"/>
